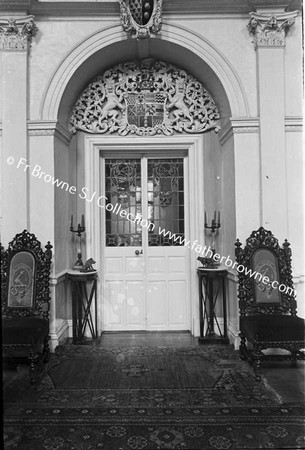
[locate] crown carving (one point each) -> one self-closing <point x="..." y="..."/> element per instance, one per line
<point x="17" y="34"/>
<point x="270" y="31"/>
<point x="140" y="18"/>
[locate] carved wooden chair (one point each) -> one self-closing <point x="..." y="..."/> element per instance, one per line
<point x="268" y="315"/>
<point x="25" y="279"/>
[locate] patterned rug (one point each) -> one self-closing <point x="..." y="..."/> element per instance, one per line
<point x="193" y="398"/>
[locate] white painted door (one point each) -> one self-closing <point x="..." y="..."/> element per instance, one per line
<point x="145" y="276"/>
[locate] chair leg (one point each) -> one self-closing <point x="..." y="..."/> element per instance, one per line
<point x="242" y="346"/>
<point x="33" y="358"/>
<point x="46" y="350"/>
<point x="257" y="363"/>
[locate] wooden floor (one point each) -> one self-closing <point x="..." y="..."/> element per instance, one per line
<point x="287" y="381"/>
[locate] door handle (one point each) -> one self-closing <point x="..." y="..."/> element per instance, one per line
<point x="138" y="252"/>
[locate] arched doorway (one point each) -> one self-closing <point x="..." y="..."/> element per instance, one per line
<point x="145" y="121"/>
<point x="175" y="45"/>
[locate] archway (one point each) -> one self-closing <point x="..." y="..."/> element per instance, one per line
<point x="175" y="45"/>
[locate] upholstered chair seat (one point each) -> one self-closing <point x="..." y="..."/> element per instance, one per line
<point x="18" y="331"/>
<point x="273" y="328"/>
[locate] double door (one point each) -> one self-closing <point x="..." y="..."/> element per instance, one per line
<point x="144" y="251"/>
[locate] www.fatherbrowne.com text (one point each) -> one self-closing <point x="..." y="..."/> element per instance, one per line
<point x="102" y="202"/>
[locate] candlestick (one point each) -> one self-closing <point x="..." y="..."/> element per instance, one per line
<point x="79" y="230"/>
<point x="214" y="226"/>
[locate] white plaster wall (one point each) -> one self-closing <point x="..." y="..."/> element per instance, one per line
<point x="61" y="213"/>
<point x="228" y="229"/>
<point x="72" y="208"/>
<point x="14" y="144"/>
<point x="56" y="38"/>
<point x="295" y="193"/>
<point x="231" y="38"/>
<point x="211" y="171"/>
<point x="294" y="71"/>
<point x="295" y="213"/>
<point x="247" y="183"/>
<point x="41" y="194"/>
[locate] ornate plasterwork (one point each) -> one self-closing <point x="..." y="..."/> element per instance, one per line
<point x="145" y="98"/>
<point x="270" y="31"/>
<point x="17" y="34"/>
<point x="140" y="18"/>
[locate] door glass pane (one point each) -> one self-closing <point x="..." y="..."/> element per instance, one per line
<point x="165" y="197"/>
<point x="123" y="206"/>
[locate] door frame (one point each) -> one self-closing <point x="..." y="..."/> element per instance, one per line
<point x="93" y="145"/>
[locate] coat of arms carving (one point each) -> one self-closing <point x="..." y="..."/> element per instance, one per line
<point x="145" y="98"/>
<point x="141" y="17"/>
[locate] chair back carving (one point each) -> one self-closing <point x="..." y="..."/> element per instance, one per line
<point x="262" y="257"/>
<point x="25" y="274"/>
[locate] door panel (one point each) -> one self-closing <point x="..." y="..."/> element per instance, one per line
<point x="157" y="316"/>
<point x="156" y="265"/>
<point x="124" y="286"/>
<point x="168" y="284"/>
<point x="177" y="289"/>
<point x="113" y="311"/>
<point x="134" y="304"/>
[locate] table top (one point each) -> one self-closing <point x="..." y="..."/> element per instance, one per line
<point x="78" y="273"/>
<point x="213" y="270"/>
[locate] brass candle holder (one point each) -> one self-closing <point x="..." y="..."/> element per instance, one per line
<point x="78" y="231"/>
<point x="213" y="227"/>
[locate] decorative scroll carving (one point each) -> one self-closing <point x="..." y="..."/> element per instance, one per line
<point x="259" y="239"/>
<point x="26" y="242"/>
<point x="146" y="98"/>
<point x="270" y="31"/>
<point x="17" y="34"/>
<point x="141" y="17"/>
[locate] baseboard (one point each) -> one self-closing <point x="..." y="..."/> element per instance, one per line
<point x="233" y="333"/>
<point x="63" y="330"/>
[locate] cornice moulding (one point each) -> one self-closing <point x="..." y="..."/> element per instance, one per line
<point x="238" y="126"/>
<point x="294" y="124"/>
<point x="100" y="9"/>
<point x="49" y="128"/>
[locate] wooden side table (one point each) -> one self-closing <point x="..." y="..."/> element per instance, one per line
<point x="84" y="290"/>
<point x="210" y="283"/>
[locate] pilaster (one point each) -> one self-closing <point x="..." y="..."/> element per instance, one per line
<point x="269" y="32"/>
<point x="15" y="40"/>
